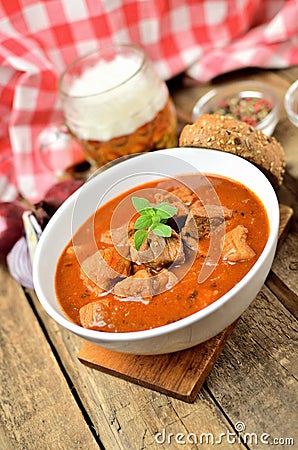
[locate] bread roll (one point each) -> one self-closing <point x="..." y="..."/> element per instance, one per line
<point x="230" y="135"/>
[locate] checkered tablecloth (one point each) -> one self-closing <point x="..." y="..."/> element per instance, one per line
<point x="202" y="38"/>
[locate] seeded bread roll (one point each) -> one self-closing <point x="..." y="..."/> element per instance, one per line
<point x="230" y="135"/>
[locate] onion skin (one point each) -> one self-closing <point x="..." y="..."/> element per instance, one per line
<point x="11" y="222"/>
<point x="11" y="227"/>
<point x="19" y="263"/>
<point x="58" y="193"/>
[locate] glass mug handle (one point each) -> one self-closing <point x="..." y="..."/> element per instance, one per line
<point x="60" y="153"/>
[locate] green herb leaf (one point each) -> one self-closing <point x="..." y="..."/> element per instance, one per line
<point x="139" y="238"/>
<point x="141" y="205"/>
<point x="143" y="222"/>
<point x="155" y="219"/>
<point x="165" y="211"/>
<point x="151" y="218"/>
<point x="162" y="230"/>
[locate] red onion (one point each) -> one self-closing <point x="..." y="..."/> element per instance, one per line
<point x="58" y="193"/>
<point x="19" y="263"/>
<point x="11" y="226"/>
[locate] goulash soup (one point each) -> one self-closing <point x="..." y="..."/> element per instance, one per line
<point x="160" y="252"/>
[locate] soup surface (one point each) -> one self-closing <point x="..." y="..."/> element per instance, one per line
<point x="217" y="233"/>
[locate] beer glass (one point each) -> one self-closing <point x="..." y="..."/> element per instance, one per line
<point x="115" y="104"/>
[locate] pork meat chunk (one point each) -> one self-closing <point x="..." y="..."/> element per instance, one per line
<point x="180" y="198"/>
<point x="235" y="247"/>
<point x="201" y="221"/>
<point x="93" y="315"/>
<point x="159" y="252"/>
<point x="119" y="237"/>
<point x="163" y="281"/>
<point x="182" y="192"/>
<point x="144" y="285"/>
<point x="103" y="269"/>
<point x="137" y="285"/>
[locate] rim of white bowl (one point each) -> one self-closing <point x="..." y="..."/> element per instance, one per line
<point x="61" y="319"/>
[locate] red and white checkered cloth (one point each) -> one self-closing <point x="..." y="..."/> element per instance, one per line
<point x="203" y="38"/>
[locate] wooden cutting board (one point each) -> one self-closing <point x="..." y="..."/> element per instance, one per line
<point x="179" y="374"/>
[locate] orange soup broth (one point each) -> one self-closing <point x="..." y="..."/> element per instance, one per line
<point x="186" y="297"/>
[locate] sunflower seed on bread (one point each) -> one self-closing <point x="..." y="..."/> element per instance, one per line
<point x="230" y="135"/>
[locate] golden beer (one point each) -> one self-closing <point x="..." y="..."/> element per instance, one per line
<point x="116" y="105"/>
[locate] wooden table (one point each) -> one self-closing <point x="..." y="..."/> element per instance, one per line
<point x="50" y="400"/>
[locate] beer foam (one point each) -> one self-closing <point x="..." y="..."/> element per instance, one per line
<point x="113" y="98"/>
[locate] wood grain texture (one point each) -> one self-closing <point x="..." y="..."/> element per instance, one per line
<point x="283" y="278"/>
<point x="125" y="415"/>
<point x="180" y="374"/>
<point x="285" y="217"/>
<point x="31" y="382"/>
<point x="255" y="378"/>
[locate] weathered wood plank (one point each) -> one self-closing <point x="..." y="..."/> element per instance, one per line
<point x="254" y="382"/>
<point x="288" y="195"/>
<point x="121" y="407"/>
<point x="179" y="374"/>
<point x="290" y="73"/>
<point x="284" y="274"/>
<point x="255" y="378"/>
<point x="128" y="416"/>
<point x="37" y="409"/>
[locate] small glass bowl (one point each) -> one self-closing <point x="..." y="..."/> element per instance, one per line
<point x="291" y="103"/>
<point x="214" y="99"/>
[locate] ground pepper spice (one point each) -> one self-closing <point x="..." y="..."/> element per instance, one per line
<point x="251" y="110"/>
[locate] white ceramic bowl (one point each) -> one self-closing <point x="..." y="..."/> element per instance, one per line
<point x="191" y="330"/>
